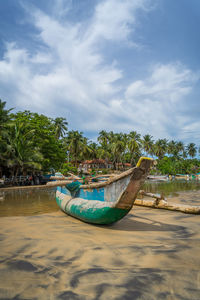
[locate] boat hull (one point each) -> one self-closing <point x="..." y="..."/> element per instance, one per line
<point x="104" y="203"/>
<point x="90" y="211"/>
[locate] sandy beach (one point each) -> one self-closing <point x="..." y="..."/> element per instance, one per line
<point x="150" y="254"/>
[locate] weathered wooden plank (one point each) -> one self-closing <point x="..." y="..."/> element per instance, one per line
<point x="163" y="204"/>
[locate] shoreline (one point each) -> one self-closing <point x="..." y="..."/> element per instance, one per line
<point x="24" y="187"/>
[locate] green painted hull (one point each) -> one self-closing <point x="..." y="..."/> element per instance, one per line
<point x="95" y="215"/>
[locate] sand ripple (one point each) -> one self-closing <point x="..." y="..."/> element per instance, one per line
<point x="150" y="254"/>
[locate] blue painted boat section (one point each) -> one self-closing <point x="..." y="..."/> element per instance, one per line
<point x="63" y="190"/>
<point x="94" y="194"/>
<point x="109" y="193"/>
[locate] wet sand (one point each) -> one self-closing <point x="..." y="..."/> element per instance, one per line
<point x="150" y="254"/>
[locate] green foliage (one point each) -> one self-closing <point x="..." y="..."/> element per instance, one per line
<point x="103" y="171"/>
<point x="30" y="142"/>
<point x="173" y="166"/>
<point x="44" y="138"/>
<point x="68" y="167"/>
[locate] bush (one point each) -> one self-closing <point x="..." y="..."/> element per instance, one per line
<point x="173" y="166"/>
<point x="68" y="167"/>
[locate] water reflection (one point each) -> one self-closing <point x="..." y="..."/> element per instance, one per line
<point x="171" y="188"/>
<point x="27" y="202"/>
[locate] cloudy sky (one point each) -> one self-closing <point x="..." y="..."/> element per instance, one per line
<point x="118" y="65"/>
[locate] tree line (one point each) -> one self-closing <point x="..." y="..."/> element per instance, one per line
<point x="32" y="142"/>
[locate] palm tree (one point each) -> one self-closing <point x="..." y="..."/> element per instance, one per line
<point x="181" y="148"/>
<point x="147" y="143"/>
<point x="4" y="114"/>
<point x="60" y="127"/>
<point x="134" y="145"/>
<point x="117" y="150"/>
<point x="5" y="119"/>
<point x="75" y="142"/>
<point x="103" y="138"/>
<point x="160" y="148"/>
<point x="172" y="148"/>
<point x="86" y="150"/>
<point x="21" y="153"/>
<point x="94" y="150"/>
<point x="117" y="146"/>
<point x="191" y="150"/>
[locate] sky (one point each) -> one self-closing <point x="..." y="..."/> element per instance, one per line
<point x="120" y="65"/>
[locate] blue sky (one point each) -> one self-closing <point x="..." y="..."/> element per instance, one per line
<point x="118" y="65"/>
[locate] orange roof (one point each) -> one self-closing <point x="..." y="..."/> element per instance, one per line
<point x="96" y="161"/>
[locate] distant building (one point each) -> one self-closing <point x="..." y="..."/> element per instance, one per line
<point x="123" y="166"/>
<point x="94" y="164"/>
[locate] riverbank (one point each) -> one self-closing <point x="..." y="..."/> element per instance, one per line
<point x="25" y="187"/>
<point x="150" y="254"/>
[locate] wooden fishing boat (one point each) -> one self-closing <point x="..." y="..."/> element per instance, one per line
<point x="105" y="202"/>
<point x="182" y="176"/>
<point x="158" y="177"/>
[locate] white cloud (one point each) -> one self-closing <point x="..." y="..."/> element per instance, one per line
<point x="114" y="19"/>
<point x="69" y="71"/>
<point x="156" y="100"/>
<point x="66" y="75"/>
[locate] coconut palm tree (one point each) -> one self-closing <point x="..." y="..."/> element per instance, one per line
<point x="172" y="148"/>
<point x="103" y="138"/>
<point x="160" y="148"/>
<point x="191" y="150"/>
<point x="147" y="144"/>
<point x="86" y="150"/>
<point x="134" y="145"/>
<point x="105" y="141"/>
<point x="181" y="149"/>
<point x="94" y="150"/>
<point x="4" y="114"/>
<point x="21" y="153"/>
<point x="60" y="127"/>
<point x="5" y="119"/>
<point x="117" y="146"/>
<point x="75" y="141"/>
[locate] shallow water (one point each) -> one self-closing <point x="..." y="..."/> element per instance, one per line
<point x="178" y="191"/>
<point x="28" y="202"/>
<point x="172" y="188"/>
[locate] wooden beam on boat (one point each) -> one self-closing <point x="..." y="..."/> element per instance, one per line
<point x="163" y="204"/>
<point x="58" y="183"/>
<point x="92" y="185"/>
<point x="158" y="197"/>
<point x="74" y="176"/>
<point x="105" y="175"/>
<point x="59" y="178"/>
